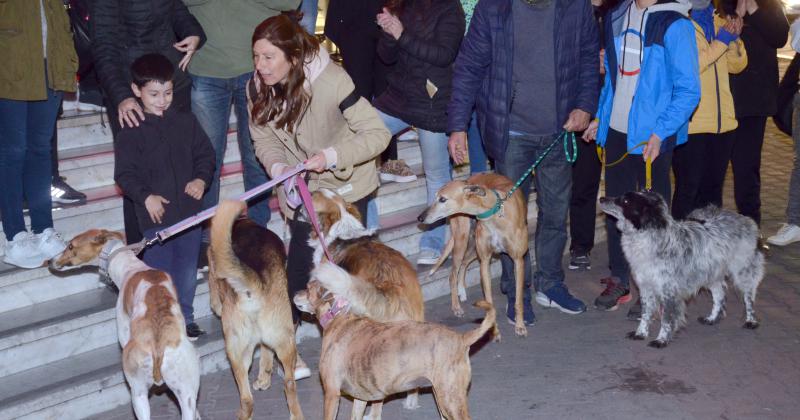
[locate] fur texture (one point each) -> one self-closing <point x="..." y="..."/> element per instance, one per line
<point x="672" y="260"/>
<point x="248" y="288"/>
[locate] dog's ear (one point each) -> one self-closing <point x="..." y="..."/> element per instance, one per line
<point x="645" y="210"/>
<point x="106" y="235"/>
<point x="475" y="190"/>
<point x="353" y="211"/>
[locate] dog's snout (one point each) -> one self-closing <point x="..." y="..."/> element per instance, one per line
<point x="604" y="199"/>
<point x="422" y="216"/>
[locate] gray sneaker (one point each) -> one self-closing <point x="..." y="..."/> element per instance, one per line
<point x="428" y="257"/>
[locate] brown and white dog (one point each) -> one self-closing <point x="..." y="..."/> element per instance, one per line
<point x="247" y="285"/>
<point x="150" y="326"/>
<point x="504" y="231"/>
<point x="384" y="284"/>
<point x="370" y="360"/>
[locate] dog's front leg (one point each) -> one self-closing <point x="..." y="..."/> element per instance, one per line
<point x="331" y="407"/>
<point x="671" y="319"/>
<point x="265" y="362"/>
<point x="649" y="305"/>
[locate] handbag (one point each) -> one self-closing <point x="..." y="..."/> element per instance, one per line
<point x="786" y="91"/>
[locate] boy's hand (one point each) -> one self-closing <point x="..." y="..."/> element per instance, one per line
<point x="195" y="188"/>
<point x="155" y="207"/>
<point x="590" y="134"/>
<point x="652" y="149"/>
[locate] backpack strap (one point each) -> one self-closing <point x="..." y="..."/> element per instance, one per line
<point x="251" y="89"/>
<point x="349" y="101"/>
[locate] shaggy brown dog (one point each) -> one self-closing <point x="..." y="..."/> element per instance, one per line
<point x="247" y="283"/>
<point x="384" y="285"/>
<point x="371" y="360"/>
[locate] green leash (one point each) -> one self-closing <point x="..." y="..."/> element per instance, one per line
<point x="571" y="157"/>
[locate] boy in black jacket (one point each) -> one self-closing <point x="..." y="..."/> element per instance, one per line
<point x="164" y="166"/>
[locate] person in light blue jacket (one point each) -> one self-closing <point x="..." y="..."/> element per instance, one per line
<point x="651" y="88"/>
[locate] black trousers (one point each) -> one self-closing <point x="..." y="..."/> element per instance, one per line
<point x="300" y="259"/>
<point x="181" y="100"/>
<point x="629" y="175"/>
<point x="583" y="204"/>
<point x="699" y="166"/>
<point x="746" y="161"/>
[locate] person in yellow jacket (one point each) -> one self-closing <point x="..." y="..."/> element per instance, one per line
<point x="699" y="164"/>
<point x="38" y="64"/>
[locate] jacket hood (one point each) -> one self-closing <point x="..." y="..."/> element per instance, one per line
<point x="314" y="68"/>
<point x="680" y="6"/>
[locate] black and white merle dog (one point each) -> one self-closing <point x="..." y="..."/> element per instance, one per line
<point x="672" y="260"/>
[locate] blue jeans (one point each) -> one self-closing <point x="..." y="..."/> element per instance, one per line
<point x="211" y="103"/>
<point x="178" y="257"/>
<point x="477" y="155"/>
<point x="438" y="172"/>
<point x="309" y="21"/>
<point x="553" y="181"/>
<point x="26" y="128"/>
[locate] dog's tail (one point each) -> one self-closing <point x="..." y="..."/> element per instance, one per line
<point x="448" y="249"/>
<point x="225" y="263"/>
<point x="365" y="299"/>
<point x="470" y="337"/>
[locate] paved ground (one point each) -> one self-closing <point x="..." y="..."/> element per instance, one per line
<point x="581" y="366"/>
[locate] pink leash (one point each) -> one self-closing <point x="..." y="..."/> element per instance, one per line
<point x="305" y="195"/>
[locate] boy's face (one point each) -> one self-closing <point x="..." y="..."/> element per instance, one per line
<point x="156" y="97"/>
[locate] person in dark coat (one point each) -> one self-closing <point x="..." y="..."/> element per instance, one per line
<point x="421" y="40"/>
<point x="755" y="92"/>
<point x="124" y="30"/>
<point x="530" y="66"/>
<point x="164" y="165"/>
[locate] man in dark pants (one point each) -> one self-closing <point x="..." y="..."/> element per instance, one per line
<point x="755" y="92"/>
<point x="119" y="36"/>
<point x="526" y="93"/>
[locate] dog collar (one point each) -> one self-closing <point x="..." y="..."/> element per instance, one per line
<point x="111" y="249"/>
<point x="491" y="212"/>
<point x="340" y="305"/>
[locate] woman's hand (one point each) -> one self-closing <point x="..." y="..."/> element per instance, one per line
<point x="155" y="207"/>
<point x="195" y="188"/>
<point x="127" y="111"/>
<point x="316" y="163"/>
<point x="187" y="45"/>
<point x="390" y="23"/>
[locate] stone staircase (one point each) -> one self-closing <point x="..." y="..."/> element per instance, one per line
<point x="59" y="355"/>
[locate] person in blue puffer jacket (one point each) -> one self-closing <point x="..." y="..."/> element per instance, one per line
<point x="651" y="88"/>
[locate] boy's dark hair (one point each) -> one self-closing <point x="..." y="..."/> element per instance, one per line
<point x="152" y="68"/>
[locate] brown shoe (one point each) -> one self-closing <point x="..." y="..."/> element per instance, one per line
<point x="397" y="171"/>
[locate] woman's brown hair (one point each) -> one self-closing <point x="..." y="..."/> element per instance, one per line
<point x="285" y="102"/>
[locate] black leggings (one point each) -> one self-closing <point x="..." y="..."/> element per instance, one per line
<point x="300" y="259"/>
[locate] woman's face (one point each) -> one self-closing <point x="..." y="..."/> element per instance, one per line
<point x="270" y="62"/>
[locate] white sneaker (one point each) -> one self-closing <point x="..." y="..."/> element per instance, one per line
<point x="786" y="235"/>
<point x="301" y="370"/>
<point x="50" y="243"/>
<point x="23" y="251"/>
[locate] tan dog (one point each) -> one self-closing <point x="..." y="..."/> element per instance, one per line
<point x="150" y="326"/>
<point x="504" y="231"/>
<point x="384" y="285"/>
<point x="247" y="284"/>
<point x="371" y="360"/>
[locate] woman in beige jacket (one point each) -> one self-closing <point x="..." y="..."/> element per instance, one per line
<point x="304" y="109"/>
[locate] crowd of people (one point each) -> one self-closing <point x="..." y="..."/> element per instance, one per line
<point x="684" y="84"/>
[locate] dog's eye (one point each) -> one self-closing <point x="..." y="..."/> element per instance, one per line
<point x="70" y="247"/>
<point x="442" y="199"/>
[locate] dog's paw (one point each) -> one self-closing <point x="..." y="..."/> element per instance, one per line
<point x="707" y="321"/>
<point x="657" y="344"/>
<point x="263" y="384"/>
<point x="521" y="331"/>
<point x="634" y="336"/>
<point x="751" y="325"/>
<point x="458" y="311"/>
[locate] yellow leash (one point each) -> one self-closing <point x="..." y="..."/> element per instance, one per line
<point x="648" y="165"/>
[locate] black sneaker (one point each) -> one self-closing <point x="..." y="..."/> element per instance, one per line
<point x="62" y="193"/>
<point x="194" y="331"/>
<point x="579" y="261"/>
<point x="202" y="259"/>
<point x="612" y="296"/>
<point x="635" y="312"/>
